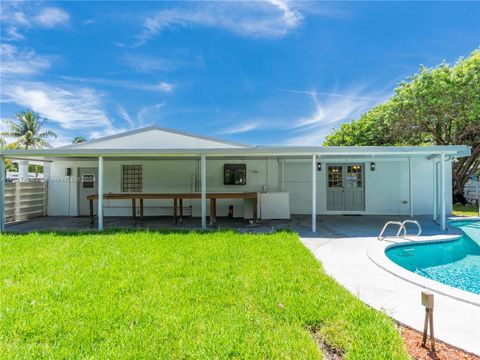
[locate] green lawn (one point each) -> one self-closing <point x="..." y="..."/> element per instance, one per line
<point x="464" y="210"/>
<point x="171" y="295"/>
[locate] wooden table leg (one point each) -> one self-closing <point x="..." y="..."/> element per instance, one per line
<point x="212" y="206"/>
<point x="134" y="211"/>
<point x="141" y="209"/>
<point x="175" y="211"/>
<point x="214" y="210"/>
<point x="91" y="211"/>
<point x="254" y="211"/>
<point x="181" y="210"/>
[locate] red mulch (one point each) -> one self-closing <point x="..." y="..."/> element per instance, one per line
<point x="413" y="342"/>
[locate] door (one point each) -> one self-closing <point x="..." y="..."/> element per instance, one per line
<point x="354" y="189"/>
<point x="87" y="186"/>
<point x="345" y="187"/>
<point x="335" y="190"/>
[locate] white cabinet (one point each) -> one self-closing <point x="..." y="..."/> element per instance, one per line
<point x="274" y="205"/>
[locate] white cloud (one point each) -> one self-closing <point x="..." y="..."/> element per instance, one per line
<point x="242" y="128"/>
<point x="21" y="62"/>
<point x="51" y="17"/>
<point x="271" y="19"/>
<point x="161" y="86"/>
<point x="76" y="108"/>
<point x="164" y="86"/>
<point x="141" y="115"/>
<point x="125" y="116"/>
<point x="149" y="64"/>
<point x="96" y="134"/>
<point x="18" y="16"/>
<point x="292" y="17"/>
<point x="330" y="110"/>
<point x="13" y="34"/>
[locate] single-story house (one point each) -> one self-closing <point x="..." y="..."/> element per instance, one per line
<point x="147" y="170"/>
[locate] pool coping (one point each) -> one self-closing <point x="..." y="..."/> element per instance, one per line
<point x="376" y="253"/>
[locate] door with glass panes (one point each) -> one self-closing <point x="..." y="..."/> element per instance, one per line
<point x="345" y="187"/>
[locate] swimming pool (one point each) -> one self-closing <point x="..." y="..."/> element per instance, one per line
<point x="455" y="263"/>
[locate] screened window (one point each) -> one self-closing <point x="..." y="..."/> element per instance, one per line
<point x="132" y="178"/>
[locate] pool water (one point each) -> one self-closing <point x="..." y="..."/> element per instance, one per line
<point x="455" y="263"/>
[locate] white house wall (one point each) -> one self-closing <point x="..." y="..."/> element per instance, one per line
<point x="161" y="176"/>
<point x="386" y="188"/>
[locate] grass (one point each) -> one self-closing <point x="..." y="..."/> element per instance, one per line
<point x="178" y="295"/>
<point x="465" y="210"/>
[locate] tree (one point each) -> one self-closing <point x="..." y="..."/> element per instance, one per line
<point x="437" y="106"/>
<point x="27" y="130"/>
<point x="78" y="140"/>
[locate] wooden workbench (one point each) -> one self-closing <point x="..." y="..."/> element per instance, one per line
<point x="177" y="199"/>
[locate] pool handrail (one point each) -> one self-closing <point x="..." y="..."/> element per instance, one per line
<point x="401" y="226"/>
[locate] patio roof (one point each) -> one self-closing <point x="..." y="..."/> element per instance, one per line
<point x="258" y="151"/>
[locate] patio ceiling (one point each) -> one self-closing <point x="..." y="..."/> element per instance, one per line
<point x="332" y="152"/>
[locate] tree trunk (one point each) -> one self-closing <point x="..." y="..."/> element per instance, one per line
<point x="461" y="171"/>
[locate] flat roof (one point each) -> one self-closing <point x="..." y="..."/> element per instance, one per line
<point x="275" y="151"/>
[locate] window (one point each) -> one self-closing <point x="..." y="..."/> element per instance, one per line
<point x="335" y="176"/>
<point x="354" y="176"/>
<point x="132" y="178"/>
<point x="234" y="174"/>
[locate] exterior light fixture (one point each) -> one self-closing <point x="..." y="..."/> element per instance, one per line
<point x="372" y="166"/>
<point x="319" y="166"/>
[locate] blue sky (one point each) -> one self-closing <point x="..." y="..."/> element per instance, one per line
<point x="266" y="73"/>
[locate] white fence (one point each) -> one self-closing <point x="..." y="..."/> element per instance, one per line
<point x="25" y="200"/>
<point x="471" y="191"/>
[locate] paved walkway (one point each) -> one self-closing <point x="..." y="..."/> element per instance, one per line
<point x="344" y="257"/>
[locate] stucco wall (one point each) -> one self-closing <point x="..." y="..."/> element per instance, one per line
<point x="161" y="176"/>
<point x="386" y="188"/>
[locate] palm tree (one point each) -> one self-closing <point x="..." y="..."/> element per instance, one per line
<point x="78" y="140"/>
<point x="27" y="130"/>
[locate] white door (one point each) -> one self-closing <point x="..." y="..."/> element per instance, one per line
<point x="86" y="186"/>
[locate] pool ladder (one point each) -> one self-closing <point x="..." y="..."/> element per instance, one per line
<point x="401" y="227"/>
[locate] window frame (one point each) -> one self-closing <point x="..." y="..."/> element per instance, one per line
<point x="131" y="186"/>
<point x="235" y="169"/>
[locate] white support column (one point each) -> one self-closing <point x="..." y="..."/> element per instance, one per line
<point x="410" y="186"/>
<point x="314" y="193"/>
<point x="47" y="171"/>
<point x="100" y="193"/>
<point x="22" y="170"/>
<point x="435" y="191"/>
<point x="443" y="219"/>
<point x="2" y="194"/>
<point x="282" y="188"/>
<point x="203" y="180"/>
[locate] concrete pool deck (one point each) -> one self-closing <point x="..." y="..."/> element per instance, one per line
<point x="344" y="255"/>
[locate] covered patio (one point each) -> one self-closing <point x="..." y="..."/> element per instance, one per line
<point x="329" y="226"/>
<point x="113" y="178"/>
